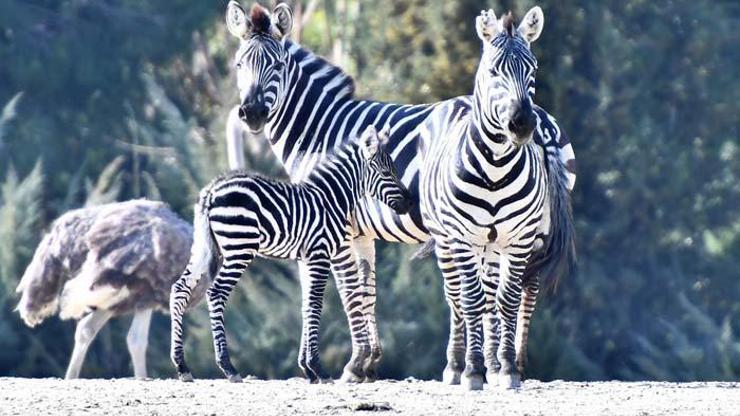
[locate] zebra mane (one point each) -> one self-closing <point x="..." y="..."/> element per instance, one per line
<point x="507" y="22"/>
<point x="317" y="64"/>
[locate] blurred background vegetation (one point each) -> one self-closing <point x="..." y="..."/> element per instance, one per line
<point x="117" y="99"/>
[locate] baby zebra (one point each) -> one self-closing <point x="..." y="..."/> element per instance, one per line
<point x="240" y="216"/>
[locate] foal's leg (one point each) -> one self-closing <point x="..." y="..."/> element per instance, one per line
<point x="352" y="293"/>
<point x="231" y="270"/>
<point x="365" y="251"/>
<point x="313" y="276"/>
<point x="456" y="342"/>
<point x="467" y="259"/>
<point x="491" y="333"/>
<point x="87" y="329"/>
<point x="137" y="339"/>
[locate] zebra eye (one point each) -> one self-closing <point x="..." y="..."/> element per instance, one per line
<point x="239" y="65"/>
<point x="278" y="66"/>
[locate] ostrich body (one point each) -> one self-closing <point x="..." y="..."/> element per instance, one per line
<point x="105" y="261"/>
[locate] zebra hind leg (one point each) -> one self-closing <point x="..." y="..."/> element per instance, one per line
<point x="365" y="251"/>
<point x="491" y="327"/>
<point x="529" y="299"/>
<point x="313" y="278"/>
<point x="467" y="259"/>
<point x="352" y="293"/>
<point x="456" y="342"/>
<point x="179" y="300"/>
<point x="217" y="294"/>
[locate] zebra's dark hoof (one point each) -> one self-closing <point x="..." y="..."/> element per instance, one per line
<point x="451" y="377"/>
<point x="472" y="382"/>
<point x="235" y="378"/>
<point x="185" y="377"/>
<point x="509" y="381"/>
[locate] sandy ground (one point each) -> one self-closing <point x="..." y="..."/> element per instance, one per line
<point x="296" y="397"/>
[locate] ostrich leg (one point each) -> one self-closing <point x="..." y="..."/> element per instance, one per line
<point x="137" y="339"/>
<point x="87" y="329"/>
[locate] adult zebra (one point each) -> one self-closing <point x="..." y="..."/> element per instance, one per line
<point x="306" y="106"/>
<point x="490" y="197"/>
<point x="240" y="216"/>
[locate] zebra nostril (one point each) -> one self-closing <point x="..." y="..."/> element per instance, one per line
<point x="242" y="114"/>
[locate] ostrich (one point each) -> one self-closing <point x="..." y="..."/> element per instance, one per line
<point x="106" y="261"/>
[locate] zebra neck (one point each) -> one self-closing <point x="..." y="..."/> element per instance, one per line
<point x="491" y="146"/>
<point x="315" y="89"/>
<point x="339" y="179"/>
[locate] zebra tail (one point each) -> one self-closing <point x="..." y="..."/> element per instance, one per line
<point x="558" y="255"/>
<point x="423" y="251"/>
<point x="204" y="258"/>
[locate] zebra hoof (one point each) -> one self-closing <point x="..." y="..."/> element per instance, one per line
<point x="472" y="382"/>
<point x="509" y="381"/>
<point x="235" y="378"/>
<point x="451" y="377"/>
<point x="185" y="377"/>
<point x="349" y="377"/>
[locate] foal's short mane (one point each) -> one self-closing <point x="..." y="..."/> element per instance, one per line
<point x="260" y="19"/>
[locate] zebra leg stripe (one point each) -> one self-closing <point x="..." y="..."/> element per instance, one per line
<point x="456" y="342"/>
<point x="313" y="275"/>
<point x="491" y="327"/>
<point x="509" y="300"/>
<point x="352" y="294"/>
<point x="218" y="294"/>
<point x="365" y="252"/>
<point x="179" y="300"/>
<point x="467" y="259"/>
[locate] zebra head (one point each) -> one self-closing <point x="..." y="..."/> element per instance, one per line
<point x="261" y="60"/>
<point x="504" y="83"/>
<point x="380" y="179"/>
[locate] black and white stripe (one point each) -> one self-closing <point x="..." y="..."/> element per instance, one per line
<point x="487" y="199"/>
<point x="309" y="107"/>
<point x="240" y="216"/>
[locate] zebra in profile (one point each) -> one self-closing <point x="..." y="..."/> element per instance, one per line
<point x="240" y="216"/>
<point x="303" y="106"/>
<point x="491" y="198"/>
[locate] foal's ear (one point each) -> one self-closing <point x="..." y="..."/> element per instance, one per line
<point x="384" y="136"/>
<point x="282" y="20"/>
<point x="236" y="20"/>
<point x="487" y="25"/>
<point x="369" y="142"/>
<point x="531" y="26"/>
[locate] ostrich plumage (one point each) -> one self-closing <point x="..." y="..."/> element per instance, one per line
<point x="105" y="261"/>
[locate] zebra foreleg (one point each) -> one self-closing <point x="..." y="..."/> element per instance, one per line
<point x="313" y="277"/>
<point x="365" y="252"/>
<point x="352" y="293"/>
<point x="87" y="329"/>
<point x="218" y="294"/>
<point x="509" y="300"/>
<point x="491" y="327"/>
<point x="456" y="342"/>
<point x="531" y="285"/>
<point x="467" y="259"/>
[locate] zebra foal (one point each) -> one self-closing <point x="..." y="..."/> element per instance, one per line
<point x="240" y="216"/>
<point x="491" y="198"/>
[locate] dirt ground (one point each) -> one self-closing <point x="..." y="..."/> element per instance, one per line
<point x="296" y="397"/>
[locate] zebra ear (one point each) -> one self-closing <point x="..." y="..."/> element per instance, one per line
<point x="531" y="26"/>
<point x="282" y="20"/>
<point x="236" y="20"/>
<point x="369" y="142"/>
<point x="384" y="136"/>
<point x="487" y="25"/>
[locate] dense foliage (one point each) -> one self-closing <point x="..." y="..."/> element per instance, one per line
<point x="123" y="98"/>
